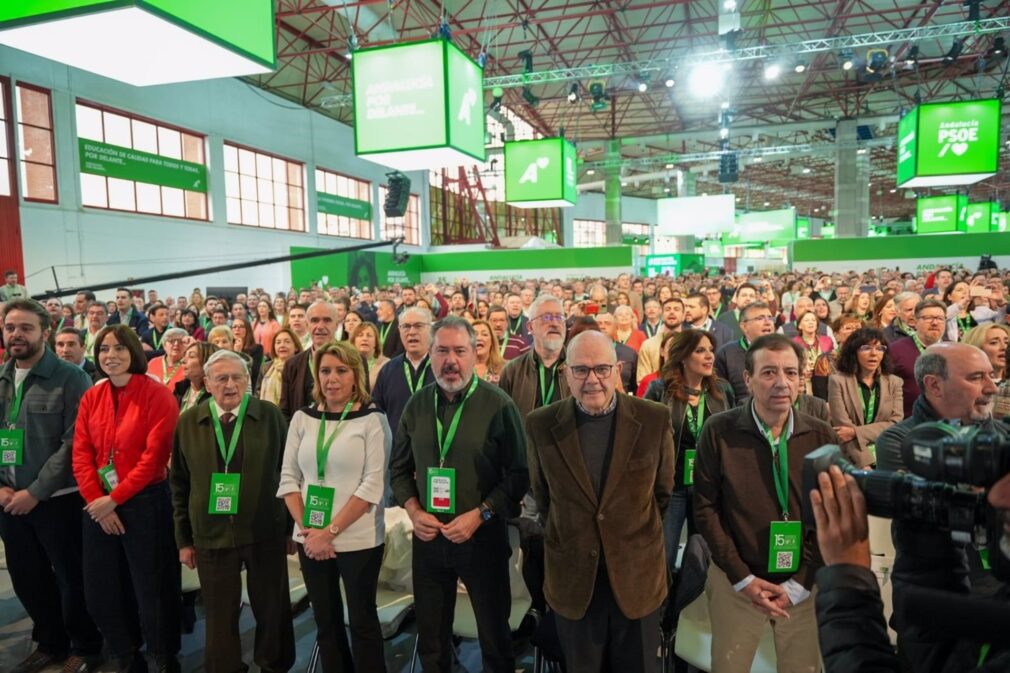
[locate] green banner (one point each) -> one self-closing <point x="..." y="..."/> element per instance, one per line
<point x="674" y="265"/>
<point x="949" y="143"/>
<point x="940" y="214"/>
<point x="540" y="173"/>
<point x="124" y="163"/>
<point x="331" y="204"/>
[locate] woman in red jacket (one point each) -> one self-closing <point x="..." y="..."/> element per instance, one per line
<point x="122" y="442"/>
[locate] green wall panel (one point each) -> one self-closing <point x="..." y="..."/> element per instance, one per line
<point x="503" y="260"/>
<point x="911" y="247"/>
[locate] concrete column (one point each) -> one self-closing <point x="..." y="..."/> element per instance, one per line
<point x="686" y="185"/>
<point x="612" y="204"/>
<point x="567" y="228"/>
<point x="852" y="174"/>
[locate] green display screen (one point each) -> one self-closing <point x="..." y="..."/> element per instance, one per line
<point x="466" y="103"/>
<point x="673" y="265"/>
<point x="777" y="227"/>
<point x="540" y="172"/>
<point x="802" y="228"/>
<point x="712" y="248"/>
<point x="331" y="204"/>
<point x="938" y="214"/>
<point x="999" y="222"/>
<point x="827" y="230"/>
<point x="977" y="217"/>
<point x="949" y="143"/>
<point x="124" y="163"/>
<point x="907" y="129"/>
<point x="250" y="31"/>
<point x="399" y="97"/>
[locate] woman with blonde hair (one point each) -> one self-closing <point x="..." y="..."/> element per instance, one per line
<point x="365" y="338"/>
<point x="284" y="346"/>
<point x="333" y="481"/>
<point x="993" y="339"/>
<point x="489" y="359"/>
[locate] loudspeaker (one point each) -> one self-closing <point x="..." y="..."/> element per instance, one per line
<point x="397" y="194"/>
<point x="729" y="167"/>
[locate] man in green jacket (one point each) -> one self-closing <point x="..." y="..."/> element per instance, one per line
<point x="225" y="473"/>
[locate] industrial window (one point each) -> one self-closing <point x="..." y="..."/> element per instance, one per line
<point x="35" y="135"/>
<point x="328" y="182"/>
<point x="121" y="129"/>
<point x="263" y="190"/>
<point x="408" y="226"/>
<point x="589" y="233"/>
<point x="6" y="175"/>
<point x="636" y="229"/>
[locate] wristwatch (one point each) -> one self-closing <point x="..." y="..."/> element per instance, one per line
<point x="334" y="529"/>
<point x="486" y="512"/>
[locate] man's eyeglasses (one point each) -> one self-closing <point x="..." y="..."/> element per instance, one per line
<point x="759" y="318"/>
<point x="550" y="317"/>
<point x="411" y="326"/>
<point x="931" y="318"/>
<point x="581" y="372"/>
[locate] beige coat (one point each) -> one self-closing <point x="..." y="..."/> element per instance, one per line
<point x="845" y="402"/>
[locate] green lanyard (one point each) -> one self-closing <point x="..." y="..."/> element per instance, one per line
<point x="411" y="386"/>
<point x="964" y="324"/>
<point x="167" y="375"/>
<point x="717" y="311"/>
<point x="650" y="330"/>
<point x="781" y="451"/>
<point x="743" y="343"/>
<point x="443" y="445"/>
<point x="155" y="339"/>
<point x="323" y="445"/>
<point x="695" y="417"/>
<point x="503" y="345"/>
<point x="546" y="394"/>
<point x="519" y="324"/>
<point x="229" y="453"/>
<point x="918" y="342"/>
<point x="15" y="408"/>
<point x="60" y="326"/>
<point x="870" y="407"/>
<point x="383" y="333"/>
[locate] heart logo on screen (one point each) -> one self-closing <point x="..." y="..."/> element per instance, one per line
<point x="959" y="148"/>
<point x="542" y="162"/>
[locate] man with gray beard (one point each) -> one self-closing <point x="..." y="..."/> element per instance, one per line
<point x="460" y="478"/>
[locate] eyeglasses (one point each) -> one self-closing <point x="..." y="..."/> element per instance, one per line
<point x="550" y="317"/>
<point x="931" y="318"/>
<point x="411" y="326"/>
<point x="867" y="348"/>
<point x="223" y="379"/>
<point x="581" y="372"/>
<point x="759" y="318"/>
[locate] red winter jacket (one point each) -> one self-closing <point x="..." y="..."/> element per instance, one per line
<point x="141" y="430"/>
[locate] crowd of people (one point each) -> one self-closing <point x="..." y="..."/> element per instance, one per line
<point x="222" y="434"/>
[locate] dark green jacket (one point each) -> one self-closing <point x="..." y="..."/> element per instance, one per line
<point x="488" y="453"/>
<point x="195" y="456"/>
<point x="53" y="391"/>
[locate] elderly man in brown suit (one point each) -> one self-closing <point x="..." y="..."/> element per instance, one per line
<point x="602" y="467"/>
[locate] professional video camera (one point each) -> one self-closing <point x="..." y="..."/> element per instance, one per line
<point x="951" y="468"/>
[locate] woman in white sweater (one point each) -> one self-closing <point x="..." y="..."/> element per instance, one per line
<point x="333" y="481"/>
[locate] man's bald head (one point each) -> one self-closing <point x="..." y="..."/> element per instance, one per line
<point x="956" y="379"/>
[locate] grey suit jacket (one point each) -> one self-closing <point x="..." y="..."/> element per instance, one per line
<point x="845" y="402"/>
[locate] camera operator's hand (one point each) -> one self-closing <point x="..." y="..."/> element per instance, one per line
<point x="840" y="512"/>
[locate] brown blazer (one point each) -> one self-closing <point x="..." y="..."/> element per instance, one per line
<point x="296" y="384"/>
<point x="520" y="379"/>
<point x="846" y="404"/>
<point x="626" y="522"/>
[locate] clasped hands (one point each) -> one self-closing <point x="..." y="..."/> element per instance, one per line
<point x="103" y="512"/>
<point x="459" y="530"/>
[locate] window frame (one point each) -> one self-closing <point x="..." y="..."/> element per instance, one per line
<point x="383" y="224"/>
<point x="577" y="239"/>
<point x="52" y="143"/>
<point x="368" y="184"/>
<point x="303" y="206"/>
<point x="7" y="121"/>
<point x="102" y="108"/>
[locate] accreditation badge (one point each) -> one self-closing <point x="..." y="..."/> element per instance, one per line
<point x="109" y="477"/>
<point x="224" y="493"/>
<point x="442" y="490"/>
<point x="12" y="445"/>
<point x="318" y="506"/>
<point x="784" y="545"/>
<point x="689" y="457"/>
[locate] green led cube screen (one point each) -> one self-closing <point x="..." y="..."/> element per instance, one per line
<point x="418" y="106"/>
<point x="939" y="214"/>
<point x="977" y="217"/>
<point x="949" y="143"/>
<point x="146" y="42"/>
<point x="540" y="173"/>
<point x="777" y="227"/>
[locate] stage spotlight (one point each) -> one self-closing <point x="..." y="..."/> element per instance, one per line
<point x="669" y="83"/>
<point x="955" y="50"/>
<point x="573" y="94"/>
<point x="800" y="67"/>
<point x="847" y="58"/>
<point x="706" y="79"/>
<point x="529" y="97"/>
<point x="643" y="87"/>
<point x="913" y="56"/>
<point x="772" y="71"/>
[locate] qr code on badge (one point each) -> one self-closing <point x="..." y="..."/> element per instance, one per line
<point x="316" y="518"/>
<point x="222" y="504"/>
<point x="783" y="560"/>
<point x="8" y="456"/>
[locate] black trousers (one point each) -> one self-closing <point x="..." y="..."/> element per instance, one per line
<point x="220" y="572"/>
<point x="132" y="581"/>
<point x="605" y="640"/>
<point x="44" y="561"/>
<point x="360" y="572"/>
<point x="482" y="563"/>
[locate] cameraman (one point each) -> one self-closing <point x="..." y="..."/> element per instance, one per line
<point x="955" y="380"/>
